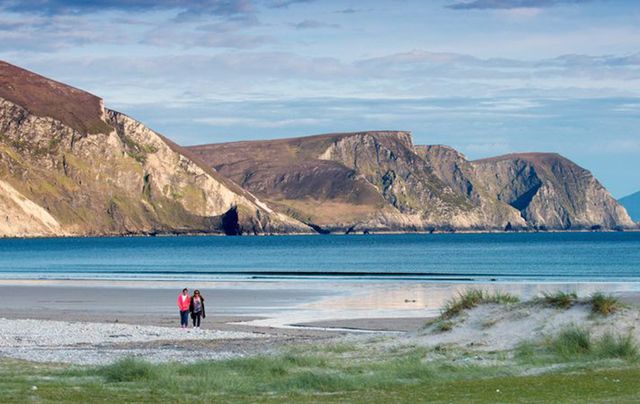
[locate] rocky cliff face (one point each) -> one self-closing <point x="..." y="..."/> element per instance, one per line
<point x="364" y="181"/>
<point x="69" y="166"/>
<point x="457" y="172"/>
<point x="380" y="181"/>
<point x="551" y="192"/>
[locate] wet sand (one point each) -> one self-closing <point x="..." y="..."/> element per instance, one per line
<point x="257" y="305"/>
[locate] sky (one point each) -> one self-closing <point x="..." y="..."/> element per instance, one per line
<point x="487" y="77"/>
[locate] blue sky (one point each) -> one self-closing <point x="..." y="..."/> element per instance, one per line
<point x="485" y="76"/>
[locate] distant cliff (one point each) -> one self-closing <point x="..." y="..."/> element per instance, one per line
<point x="552" y="192"/>
<point x="69" y="166"/>
<point x="632" y="204"/>
<point x="380" y="181"/>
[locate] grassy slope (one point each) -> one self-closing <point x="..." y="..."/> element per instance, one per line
<point x="341" y="373"/>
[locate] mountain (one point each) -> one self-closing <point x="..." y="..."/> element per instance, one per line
<point x="632" y="204"/>
<point x="343" y="182"/>
<point x="552" y="192"/>
<point x="70" y="166"/>
<point x="380" y="181"/>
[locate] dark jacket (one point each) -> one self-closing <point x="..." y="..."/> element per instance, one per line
<point x="191" y="308"/>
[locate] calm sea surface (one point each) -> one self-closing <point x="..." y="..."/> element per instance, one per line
<point x="437" y="257"/>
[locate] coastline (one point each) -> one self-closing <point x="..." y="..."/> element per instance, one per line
<point x="98" y="322"/>
<point x="277" y="303"/>
<point x="314" y="232"/>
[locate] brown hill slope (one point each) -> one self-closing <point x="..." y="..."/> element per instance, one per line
<point x="363" y="181"/>
<point x="380" y="181"/>
<point x="69" y="166"/>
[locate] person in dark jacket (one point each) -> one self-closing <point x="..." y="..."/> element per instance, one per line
<point x="197" y="308"/>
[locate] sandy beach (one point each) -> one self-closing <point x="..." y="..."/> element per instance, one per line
<point x="96" y="322"/>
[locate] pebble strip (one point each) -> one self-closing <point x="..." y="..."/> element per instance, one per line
<point x="97" y="343"/>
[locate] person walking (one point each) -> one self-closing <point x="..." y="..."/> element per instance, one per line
<point x="184" y="303"/>
<point x="197" y="308"/>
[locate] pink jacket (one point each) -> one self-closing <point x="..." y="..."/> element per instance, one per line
<point x="183" y="304"/>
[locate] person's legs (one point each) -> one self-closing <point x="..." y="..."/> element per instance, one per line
<point x="184" y="319"/>
<point x="197" y="319"/>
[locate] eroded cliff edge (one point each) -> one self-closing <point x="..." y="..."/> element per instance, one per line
<point x="69" y="166"/>
<point x="381" y="181"/>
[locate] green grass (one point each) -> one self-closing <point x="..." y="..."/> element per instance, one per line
<point x="618" y="346"/>
<point x="129" y="370"/>
<point x="440" y="324"/>
<point x="604" y="304"/>
<point x="402" y="377"/>
<point x="472" y="298"/>
<point x="559" y="300"/>
<point x="341" y="371"/>
<point x="573" y="342"/>
<point x="577" y="344"/>
<point x="602" y="386"/>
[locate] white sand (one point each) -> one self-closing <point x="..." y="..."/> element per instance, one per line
<point x="499" y="327"/>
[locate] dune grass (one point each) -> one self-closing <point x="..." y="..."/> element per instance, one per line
<point x="441" y="325"/>
<point x="260" y="376"/>
<point x="576" y="344"/>
<point x="129" y="370"/>
<point x="618" y="346"/>
<point x="572" y="342"/>
<point x="604" y="304"/>
<point x="290" y="372"/>
<point x="471" y="298"/>
<point x="404" y="375"/>
<point x="560" y="300"/>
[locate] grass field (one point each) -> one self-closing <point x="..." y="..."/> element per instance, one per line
<point x="567" y="369"/>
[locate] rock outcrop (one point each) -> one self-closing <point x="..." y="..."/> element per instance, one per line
<point x="69" y="166"/>
<point x="457" y="172"/>
<point x="551" y="192"/>
<point x="344" y="182"/>
<point x="380" y="181"/>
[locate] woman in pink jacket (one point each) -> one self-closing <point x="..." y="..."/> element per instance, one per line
<point x="184" y="301"/>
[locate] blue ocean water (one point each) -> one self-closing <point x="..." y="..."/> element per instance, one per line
<point x="430" y="257"/>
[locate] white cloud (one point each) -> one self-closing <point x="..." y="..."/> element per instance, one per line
<point x="259" y="123"/>
<point x="617" y="146"/>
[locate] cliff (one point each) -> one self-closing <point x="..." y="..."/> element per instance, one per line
<point x="344" y="182"/>
<point x="69" y="166"/>
<point x="552" y="192"/>
<point x="457" y="172"/>
<point x="380" y="181"/>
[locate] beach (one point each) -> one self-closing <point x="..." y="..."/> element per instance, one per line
<point x="98" y="322"/>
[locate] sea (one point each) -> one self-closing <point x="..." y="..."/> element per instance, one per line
<point x="504" y="257"/>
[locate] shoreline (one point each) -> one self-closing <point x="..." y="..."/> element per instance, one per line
<point x="267" y="304"/>
<point x="313" y="232"/>
<point x="100" y="322"/>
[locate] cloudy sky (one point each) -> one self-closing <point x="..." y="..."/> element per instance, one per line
<point x="485" y="76"/>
